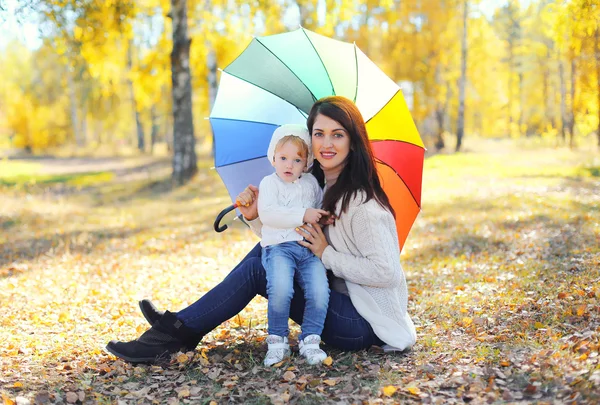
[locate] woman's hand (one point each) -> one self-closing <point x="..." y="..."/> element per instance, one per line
<point x="247" y="202"/>
<point x="315" y="239"/>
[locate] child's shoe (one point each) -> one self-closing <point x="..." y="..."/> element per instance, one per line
<point x="310" y="350"/>
<point x="278" y="350"/>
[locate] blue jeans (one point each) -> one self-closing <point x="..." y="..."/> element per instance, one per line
<point x="281" y="263"/>
<point x="344" y="328"/>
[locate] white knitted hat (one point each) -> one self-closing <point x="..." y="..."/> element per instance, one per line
<point x="291" y="129"/>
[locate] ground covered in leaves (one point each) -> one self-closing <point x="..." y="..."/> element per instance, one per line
<point x="503" y="267"/>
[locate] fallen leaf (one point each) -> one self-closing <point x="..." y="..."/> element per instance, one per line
<point x="72" y="397"/>
<point x="288" y="376"/>
<point x="328" y="361"/>
<point x="330" y="382"/>
<point x="389" y="390"/>
<point x="413" y="390"/>
<point x="182" y="358"/>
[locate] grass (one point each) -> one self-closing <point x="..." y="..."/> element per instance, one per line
<point x="502" y="266"/>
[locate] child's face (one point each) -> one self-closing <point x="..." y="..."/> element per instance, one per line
<point x="288" y="163"/>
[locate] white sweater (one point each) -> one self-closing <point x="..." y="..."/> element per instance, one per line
<point x="281" y="206"/>
<point x="363" y="250"/>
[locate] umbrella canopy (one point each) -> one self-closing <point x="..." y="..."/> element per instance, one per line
<point x="276" y="80"/>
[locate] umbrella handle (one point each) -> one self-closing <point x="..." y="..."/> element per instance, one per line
<point x="218" y="227"/>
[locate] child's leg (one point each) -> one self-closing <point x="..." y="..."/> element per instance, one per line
<point x="279" y="266"/>
<point x="312" y="277"/>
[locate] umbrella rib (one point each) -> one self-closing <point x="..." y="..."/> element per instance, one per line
<point x="263" y="89"/>
<point x="400" y="177"/>
<point x="356" y="81"/>
<point x="322" y="63"/>
<point x="396" y="140"/>
<point x="385" y="105"/>
<point x="283" y="63"/>
<point x="242" y="161"/>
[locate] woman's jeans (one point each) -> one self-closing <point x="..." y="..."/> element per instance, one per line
<point x="281" y="263"/>
<point x="344" y="328"/>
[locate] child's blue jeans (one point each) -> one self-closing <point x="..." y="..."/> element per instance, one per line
<point x="283" y="263"/>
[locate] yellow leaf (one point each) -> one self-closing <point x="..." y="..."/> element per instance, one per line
<point x="584" y="356"/>
<point x="182" y="358"/>
<point x="538" y="325"/>
<point x="466" y="321"/>
<point x="331" y="383"/>
<point x="213" y="403"/>
<point x="18" y="384"/>
<point x="7" y="401"/>
<point x="328" y="361"/>
<point x="581" y="310"/>
<point x="505" y="363"/>
<point x="413" y="390"/>
<point x="389" y="390"/>
<point x="184" y="393"/>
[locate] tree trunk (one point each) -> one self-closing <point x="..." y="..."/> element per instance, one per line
<point x="510" y="86"/>
<point x="184" y="144"/>
<point x="572" y="109"/>
<point x="141" y="144"/>
<point x="155" y="128"/>
<point x="549" y="104"/>
<point x="460" y="127"/>
<point x="563" y="101"/>
<point x="73" y="105"/>
<point x="521" y="102"/>
<point x="439" y="113"/>
<point x="211" y="64"/>
<point x="597" y="49"/>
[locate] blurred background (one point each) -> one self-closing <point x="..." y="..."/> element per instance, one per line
<point x="81" y="77"/>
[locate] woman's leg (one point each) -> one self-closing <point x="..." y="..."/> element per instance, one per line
<point x="229" y="297"/>
<point x="175" y="331"/>
<point x="344" y="328"/>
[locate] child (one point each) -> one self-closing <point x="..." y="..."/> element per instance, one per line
<point x="286" y="200"/>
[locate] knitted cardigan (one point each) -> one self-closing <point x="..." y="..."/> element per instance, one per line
<point x="364" y="251"/>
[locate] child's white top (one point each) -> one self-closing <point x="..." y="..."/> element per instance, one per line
<point x="281" y="206"/>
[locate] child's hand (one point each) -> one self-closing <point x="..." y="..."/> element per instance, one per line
<point x="246" y="201"/>
<point x="313" y="215"/>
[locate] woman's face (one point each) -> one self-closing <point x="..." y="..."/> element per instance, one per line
<point x="330" y="143"/>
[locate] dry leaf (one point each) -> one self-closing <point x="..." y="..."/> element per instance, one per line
<point x="389" y="390"/>
<point x="328" y="361"/>
<point x="7" y="401"/>
<point x="182" y="358"/>
<point x="288" y="376"/>
<point x="413" y="390"/>
<point x="184" y="393"/>
<point x="72" y="397"/>
<point x="330" y="382"/>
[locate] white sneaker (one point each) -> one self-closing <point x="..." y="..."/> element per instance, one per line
<point x="310" y="350"/>
<point x="278" y="350"/>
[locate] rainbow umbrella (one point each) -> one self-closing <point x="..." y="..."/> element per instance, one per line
<point x="276" y="80"/>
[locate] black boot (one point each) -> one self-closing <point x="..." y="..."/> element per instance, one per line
<point x="167" y="336"/>
<point x="152" y="314"/>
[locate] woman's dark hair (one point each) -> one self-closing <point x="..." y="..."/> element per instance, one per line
<point x="359" y="172"/>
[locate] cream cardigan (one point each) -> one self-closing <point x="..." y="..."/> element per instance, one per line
<point x="363" y="250"/>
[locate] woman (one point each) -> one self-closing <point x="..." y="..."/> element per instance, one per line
<point x="368" y="299"/>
